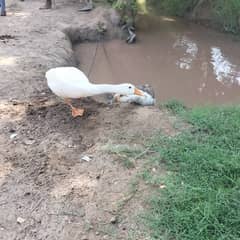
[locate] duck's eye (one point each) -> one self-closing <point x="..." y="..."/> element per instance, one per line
<point x="129" y="87"/>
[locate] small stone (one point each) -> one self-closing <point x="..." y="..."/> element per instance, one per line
<point x="12" y="136"/>
<point x="29" y="142"/>
<point x="84" y="238"/>
<point x="162" y="186"/>
<point x="86" y="158"/>
<point x="20" y="220"/>
<point x="113" y="220"/>
<point x="97" y="233"/>
<point x="14" y="102"/>
<point x="98" y="176"/>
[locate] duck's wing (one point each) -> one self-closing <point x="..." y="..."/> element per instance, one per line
<point x="70" y="75"/>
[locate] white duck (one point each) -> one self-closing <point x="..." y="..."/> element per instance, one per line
<point x="70" y="82"/>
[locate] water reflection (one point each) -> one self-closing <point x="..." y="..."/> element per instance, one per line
<point x="190" y="52"/>
<point x="225" y="71"/>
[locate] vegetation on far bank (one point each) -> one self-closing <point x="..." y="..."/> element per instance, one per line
<point x="224" y="14"/>
<point x="201" y="199"/>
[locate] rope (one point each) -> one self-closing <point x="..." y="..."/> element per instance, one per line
<point x="106" y="55"/>
<point x="93" y="60"/>
<point x="109" y="62"/>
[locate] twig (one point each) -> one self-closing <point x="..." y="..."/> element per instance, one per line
<point x="93" y="61"/>
<point x="65" y="214"/>
<point x="143" y="153"/>
<point x="38" y="203"/>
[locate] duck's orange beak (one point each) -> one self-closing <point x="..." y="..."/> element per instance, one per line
<point x="138" y="92"/>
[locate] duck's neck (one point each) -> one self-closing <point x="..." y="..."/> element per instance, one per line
<point x="106" y="88"/>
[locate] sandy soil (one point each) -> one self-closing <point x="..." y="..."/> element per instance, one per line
<point x="46" y="190"/>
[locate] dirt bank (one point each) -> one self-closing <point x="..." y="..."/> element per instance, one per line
<point x="33" y="41"/>
<point x="44" y="180"/>
<point x="46" y="190"/>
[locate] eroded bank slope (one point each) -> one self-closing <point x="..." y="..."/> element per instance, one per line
<point x="33" y="41"/>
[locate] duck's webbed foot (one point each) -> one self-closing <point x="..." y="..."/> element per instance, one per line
<point x="75" y="111"/>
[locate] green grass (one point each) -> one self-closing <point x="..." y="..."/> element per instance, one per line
<point x="174" y="106"/>
<point x="176" y="7"/>
<point x="225" y="13"/>
<point x="126" y="153"/>
<point x="201" y="200"/>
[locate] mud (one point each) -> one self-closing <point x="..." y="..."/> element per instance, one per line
<point x="33" y="40"/>
<point x="45" y="181"/>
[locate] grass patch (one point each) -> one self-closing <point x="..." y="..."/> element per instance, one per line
<point x="202" y="195"/>
<point x="176" y="7"/>
<point x="125" y="153"/>
<point x="174" y="106"/>
<point x="225" y="13"/>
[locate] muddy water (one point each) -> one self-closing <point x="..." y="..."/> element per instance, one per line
<point x="180" y="60"/>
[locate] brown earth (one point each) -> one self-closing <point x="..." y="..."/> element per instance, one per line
<point x="46" y="190"/>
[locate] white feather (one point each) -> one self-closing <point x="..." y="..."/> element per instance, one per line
<point x="145" y="100"/>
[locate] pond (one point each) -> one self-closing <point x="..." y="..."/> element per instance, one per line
<point x="181" y="60"/>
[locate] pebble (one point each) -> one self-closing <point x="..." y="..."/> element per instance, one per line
<point x="20" y="220"/>
<point x="12" y="136"/>
<point x="162" y="186"/>
<point x="113" y="220"/>
<point x="86" y="158"/>
<point x="29" y="142"/>
<point x="98" y="176"/>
